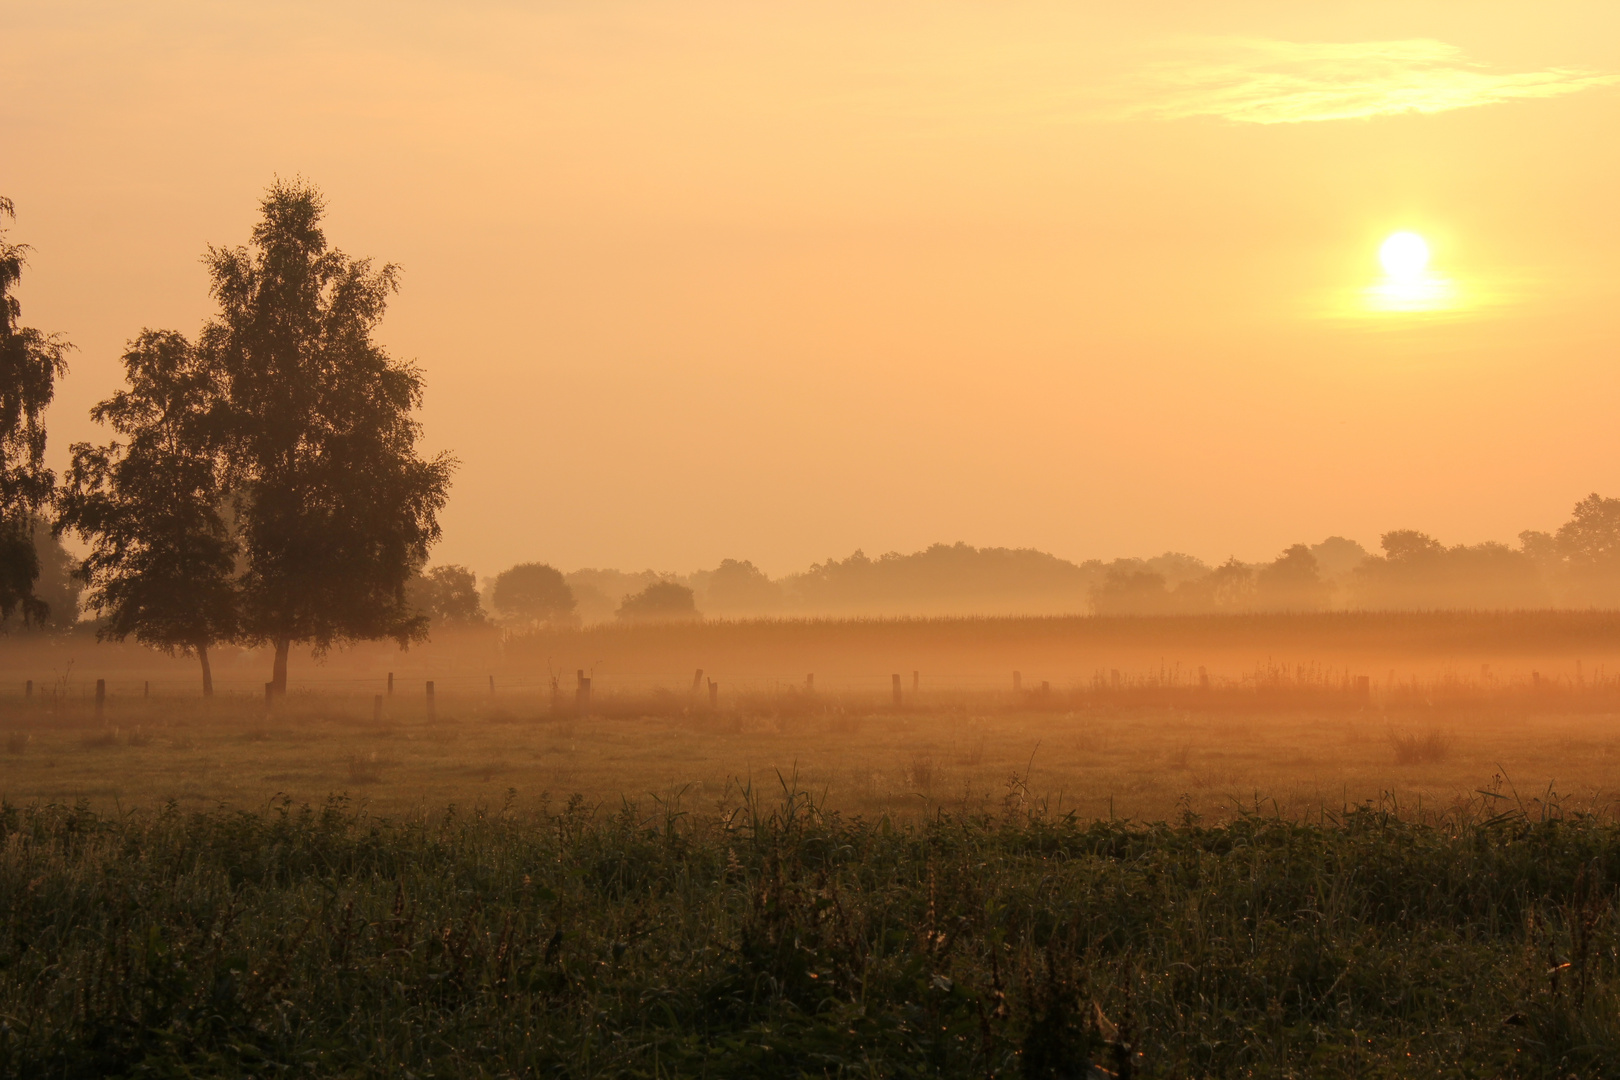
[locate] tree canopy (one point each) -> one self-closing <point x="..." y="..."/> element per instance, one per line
<point x="662" y="601"/>
<point x="162" y="558"/>
<point x="447" y="595"/>
<point x="532" y="593"/>
<point x="30" y="363"/>
<point x="335" y="510"/>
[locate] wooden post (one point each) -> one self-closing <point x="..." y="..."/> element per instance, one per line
<point x="1535" y="679"/>
<point x="1203" y="678"/>
<point x="376" y="709"/>
<point x="697" y="681"/>
<point x="1018" y="681"/>
<point x="1046" y="689"/>
<point x="810" y="683"/>
<point x="432" y="710"/>
<point x="896" y="680"/>
<point x="146" y="688"/>
<point x="714" y="695"/>
<point x="492" y="684"/>
<point x="101" y="698"/>
<point x="28" y="690"/>
<point x="582" y="694"/>
<point x="390" y="684"/>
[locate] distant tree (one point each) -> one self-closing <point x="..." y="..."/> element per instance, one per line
<point x="532" y="593"/>
<point x="1337" y="556"/>
<point x="1417" y="571"/>
<point x="162" y="559"/>
<point x="662" y="601"/>
<point x="1128" y="591"/>
<point x="1541" y="547"/>
<point x="740" y="586"/>
<point x="1231" y="586"/>
<point x="1291" y="582"/>
<point x="1589" y="543"/>
<point x="447" y="595"/>
<point x="335" y="509"/>
<point x="58" y="587"/>
<point x="30" y="363"/>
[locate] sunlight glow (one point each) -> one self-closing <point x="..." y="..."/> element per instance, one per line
<point x="1408" y="285"/>
<point x="1405" y="256"/>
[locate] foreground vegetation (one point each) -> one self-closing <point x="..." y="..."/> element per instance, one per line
<point x="772" y="938"/>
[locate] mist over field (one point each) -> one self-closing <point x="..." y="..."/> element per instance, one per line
<point x="1045" y="540"/>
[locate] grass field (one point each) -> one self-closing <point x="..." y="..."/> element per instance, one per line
<point x="1140" y="752"/>
<point x="765" y="937"/>
<point x="1270" y="870"/>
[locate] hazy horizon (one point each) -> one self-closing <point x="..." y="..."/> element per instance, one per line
<point x="710" y="281"/>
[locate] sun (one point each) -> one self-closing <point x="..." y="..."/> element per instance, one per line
<point x="1405" y="256"/>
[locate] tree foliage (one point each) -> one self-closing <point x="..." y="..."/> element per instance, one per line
<point x="532" y="593"/>
<point x="447" y="595"/>
<point x="30" y="363"/>
<point x="162" y="558"/>
<point x="335" y="509"/>
<point x="662" y="601"/>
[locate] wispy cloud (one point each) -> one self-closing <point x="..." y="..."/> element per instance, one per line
<point x="1261" y="81"/>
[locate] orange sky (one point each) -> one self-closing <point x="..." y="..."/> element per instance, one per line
<point x="780" y="280"/>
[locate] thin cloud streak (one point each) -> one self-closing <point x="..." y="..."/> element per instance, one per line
<point x="1259" y="81"/>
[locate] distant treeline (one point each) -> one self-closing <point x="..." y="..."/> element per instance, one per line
<point x="1576" y="567"/>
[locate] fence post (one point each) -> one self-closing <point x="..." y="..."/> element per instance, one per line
<point x="28" y="690"/>
<point x="714" y="694"/>
<point x="492" y="684"/>
<point x="896" y="681"/>
<point x="432" y="712"/>
<point x="101" y="698"/>
<point x="390" y="684"/>
<point x="582" y="694"/>
<point x="810" y="683"/>
<point x="697" y="681"/>
<point x="1203" y="678"/>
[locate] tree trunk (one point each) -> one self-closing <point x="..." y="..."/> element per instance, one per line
<point x="208" y="672"/>
<point x="278" y="677"/>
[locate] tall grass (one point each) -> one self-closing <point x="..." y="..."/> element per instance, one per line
<point x="769" y="937"/>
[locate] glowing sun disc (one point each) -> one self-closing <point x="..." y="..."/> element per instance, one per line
<point x="1405" y="256"/>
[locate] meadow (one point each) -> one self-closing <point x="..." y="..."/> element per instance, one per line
<point x="1259" y="853"/>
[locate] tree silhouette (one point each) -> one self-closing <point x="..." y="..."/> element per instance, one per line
<point x="335" y="510"/>
<point x="446" y="595"/>
<point x="532" y="593"/>
<point x="161" y="557"/>
<point x="30" y="362"/>
<point x="662" y="601"/>
<point x="1291" y="582"/>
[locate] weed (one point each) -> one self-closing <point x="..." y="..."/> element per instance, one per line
<point x="1430" y="748"/>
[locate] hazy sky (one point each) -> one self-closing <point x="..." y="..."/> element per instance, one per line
<point x="779" y="280"/>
